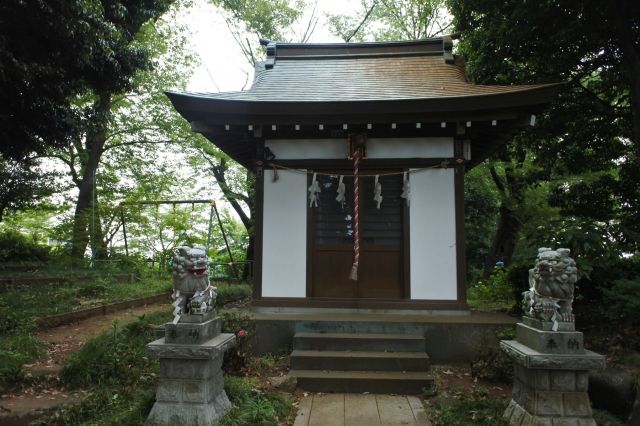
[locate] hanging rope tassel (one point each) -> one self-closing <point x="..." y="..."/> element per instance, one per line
<point x="314" y="190"/>
<point x="377" y="192"/>
<point x="341" y="190"/>
<point x="356" y="216"/>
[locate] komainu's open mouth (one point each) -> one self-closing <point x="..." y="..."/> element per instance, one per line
<point x="198" y="272"/>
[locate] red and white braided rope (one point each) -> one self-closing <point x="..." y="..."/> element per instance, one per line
<point x="356" y="215"/>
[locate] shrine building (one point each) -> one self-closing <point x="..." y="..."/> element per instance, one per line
<point x="399" y="122"/>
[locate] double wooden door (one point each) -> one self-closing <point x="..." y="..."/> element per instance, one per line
<point x="331" y="236"/>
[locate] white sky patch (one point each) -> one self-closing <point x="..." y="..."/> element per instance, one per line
<point x="222" y="66"/>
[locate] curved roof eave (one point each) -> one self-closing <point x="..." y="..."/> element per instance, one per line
<point x="199" y="107"/>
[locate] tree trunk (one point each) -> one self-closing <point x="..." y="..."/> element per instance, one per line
<point x="509" y="225"/>
<point x="247" y="220"/>
<point x="504" y="242"/>
<point x="95" y="140"/>
<point x="247" y="273"/>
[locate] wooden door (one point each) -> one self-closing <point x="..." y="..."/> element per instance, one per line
<point x="380" y="275"/>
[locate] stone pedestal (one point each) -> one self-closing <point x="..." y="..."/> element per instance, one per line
<point x="191" y="387"/>
<point x="551" y="376"/>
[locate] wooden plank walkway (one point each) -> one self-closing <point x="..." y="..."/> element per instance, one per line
<point x="361" y="410"/>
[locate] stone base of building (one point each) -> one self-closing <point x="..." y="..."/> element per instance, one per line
<point x="517" y="415"/>
<point x="191" y="386"/>
<point x="550" y="389"/>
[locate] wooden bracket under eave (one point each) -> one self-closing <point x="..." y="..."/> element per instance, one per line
<point x="357" y="142"/>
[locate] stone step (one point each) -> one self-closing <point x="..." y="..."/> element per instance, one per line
<point x="362" y="381"/>
<point x="359" y="360"/>
<point x="359" y="342"/>
<point x="379" y="326"/>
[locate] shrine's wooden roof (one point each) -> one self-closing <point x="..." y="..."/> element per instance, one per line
<point x="342" y="73"/>
<point x="357" y="84"/>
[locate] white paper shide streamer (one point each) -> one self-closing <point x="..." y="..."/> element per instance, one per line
<point x="406" y="188"/>
<point x="341" y="190"/>
<point x="377" y="192"/>
<point x="314" y="190"/>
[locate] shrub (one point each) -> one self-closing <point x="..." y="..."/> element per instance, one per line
<point x="491" y="362"/>
<point x="230" y="293"/>
<point x="116" y="356"/>
<point x="495" y="293"/>
<point x="518" y="279"/>
<point x="244" y="327"/>
<point x="16" y="247"/>
<point x="623" y="300"/>
<point x="16" y="350"/>
<point x="603" y="418"/>
<point x="92" y="289"/>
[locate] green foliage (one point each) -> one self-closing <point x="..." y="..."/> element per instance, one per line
<point x="478" y="408"/>
<point x="518" y="279"/>
<point x="586" y="145"/>
<point x="231" y="292"/>
<point x="46" y="67"/>
<point x="253" y="406"/>
<point x="15" y="247"/>
<point x="110" y="357"/>
<point x="42" y="300"/>
<point x="481" y="204"/>
<point x="106" y="406"/>
<point x="22" y="185"/>
<point x="494" y="293"/>
<point x="244" y="327"/>
<point x="604" y="418"/>
<point x="120" y="379"/>
<point x="623" y="300"/>
<point x="269" y="19"/>
<point x="17" y="349"/>
<point x="392" y="20"/>
<point x="491" y="363"/>
<point x="239" y="389"/>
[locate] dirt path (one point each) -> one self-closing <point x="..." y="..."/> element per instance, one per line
<point x="29" y="403"/>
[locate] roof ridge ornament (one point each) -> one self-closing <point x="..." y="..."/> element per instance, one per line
<point x="447" y="50"/>
<point x="271" y="53"/>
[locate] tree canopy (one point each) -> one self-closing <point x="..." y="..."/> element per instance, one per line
<point x="51" y="52"/>
<point x="587" y="144"/>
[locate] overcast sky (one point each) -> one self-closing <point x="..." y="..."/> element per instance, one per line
<point x="223" y="67"/>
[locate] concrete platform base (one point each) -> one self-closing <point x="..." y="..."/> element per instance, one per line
<point x="448" y="338"/>
<point x="550" y="388"/>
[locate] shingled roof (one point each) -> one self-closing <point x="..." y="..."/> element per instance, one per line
<point x="358" y="83"/>
<point x="358" y="72"/>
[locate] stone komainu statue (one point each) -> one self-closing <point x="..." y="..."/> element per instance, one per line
<point x="192" y="292"/>
<point x="552" y="282"/>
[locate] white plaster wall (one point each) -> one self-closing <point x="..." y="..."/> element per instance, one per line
<point x="410" y="148"/>
<point x="284" y="243"/>
<point x="433" y="235"/>
<point x="305" y="149"/>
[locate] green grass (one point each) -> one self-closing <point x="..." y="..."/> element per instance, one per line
<point x="478" y="409"/>
<point x="231" y="292"/>
<point x="121" y="383"/>
<point x="253" y="406"/>
<point x="120" y="378"/>
<point x="116" y="356"/>
<point x="19" y="310"/>
<point x="39" y="301"/>
<point x="16" y="350"/>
